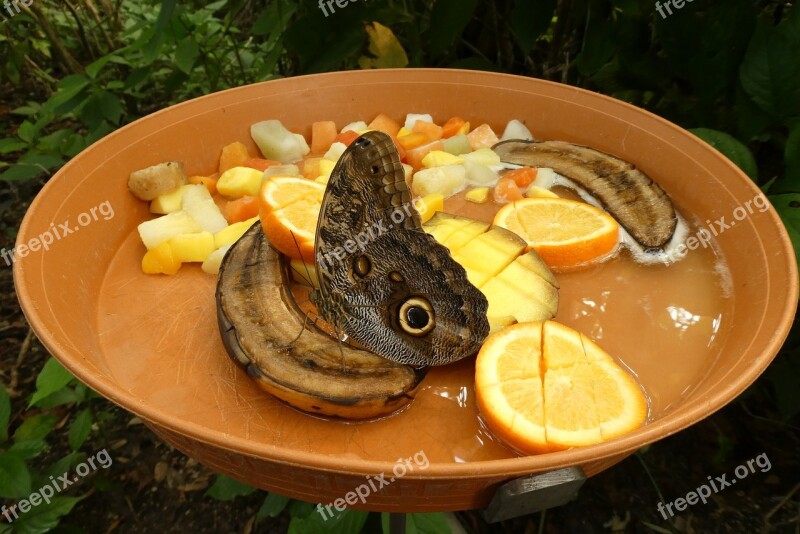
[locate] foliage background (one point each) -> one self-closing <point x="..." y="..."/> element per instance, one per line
<point x="74" y="70"/>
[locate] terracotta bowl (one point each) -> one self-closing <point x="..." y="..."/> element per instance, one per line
<point x="150" y="344"/>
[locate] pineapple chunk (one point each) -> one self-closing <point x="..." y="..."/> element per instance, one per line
<point x="428" y="205"/>
<point x="439" y="158"/>
<point x="160" y="260"/>
<point x="240" y="181"/>
<point x="280" y="170"/>
<point x="192" y="247"/>
<point x="278" y="143"/>
<point x="480" y="175"/>
<point x="335" y="151"/>
<point x="232" y="233"/>
<point x="212" y="264"/>
<point x="516" y="130"/>
<point x="446" y="180"/>
<point x="485" y="156"/>
<point x="534" y="191"/>
<point x="322" y="180"/>
<point x="168" y="203"/>
<point x="301" y="272"/>
<point x="487" y="254"/>
<point x="403" y="131"/>
<point x="479" y="195"/>
<point x="355" y="126"/>
<point x="457" y="145"/>
<point x="162" y="229"/>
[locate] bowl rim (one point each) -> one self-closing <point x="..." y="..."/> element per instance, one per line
<point x="665" y="426"/>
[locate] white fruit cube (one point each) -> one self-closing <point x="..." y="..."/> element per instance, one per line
<point x="162" y="229"/>
<point x="197" y="202"/>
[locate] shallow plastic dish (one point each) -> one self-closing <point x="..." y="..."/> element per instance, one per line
<point x="151" y="344"/>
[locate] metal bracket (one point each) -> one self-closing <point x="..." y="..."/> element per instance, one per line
<point x="534" y="493"/>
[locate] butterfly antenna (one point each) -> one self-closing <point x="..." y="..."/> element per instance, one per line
<point x="307" y="278"/>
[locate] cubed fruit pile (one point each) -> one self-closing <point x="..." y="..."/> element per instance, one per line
<point x="201" y="216"/>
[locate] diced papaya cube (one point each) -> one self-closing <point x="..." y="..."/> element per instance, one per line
<point x="241" y="209"/>
<point x="506" y="190"/>
<point x="453" y="127"/>
<point x="523" y="176"/>
<point x="323" y="134"/>
<point x="413" y="140"/>
<point x="311" y="167"/>
<point x="233" y="155"/>
<point x="433" y="131"/>
<point x="385" y="124"/>
<point x="346" y="137"/>
<point x="160" y="260"/>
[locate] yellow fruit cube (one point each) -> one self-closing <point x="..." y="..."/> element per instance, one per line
<point x="479" y="195"/>
<point x="326" y="167"/>
<point x="485" y="156"/>
<point x="240" y="181"/>
<point x="160" y="260"/>
<point x="403" y="131"/>
<point x="169" y="202"/>
<point x="428" y="205"/>
<point x="437" y="158"/>
<point x="321" y="180"/>
<point x="489" y="253"/>
<point x="232" y="233"/>
<point x="535" y="191"/>
<point x="192" y="247"/>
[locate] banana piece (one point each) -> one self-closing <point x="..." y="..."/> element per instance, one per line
<point x="639" y="204"/>
<point x="261" y="330"/>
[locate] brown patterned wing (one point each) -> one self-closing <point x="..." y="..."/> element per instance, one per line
<point x="384" y="282"/>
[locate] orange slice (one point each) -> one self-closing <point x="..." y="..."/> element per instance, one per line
<point x="289" y="208"/>
<point x="544" y="387"/>
<point x="567" y="234"/>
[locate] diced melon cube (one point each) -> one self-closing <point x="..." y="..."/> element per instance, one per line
<point x="168" y="203"/>
<point x="439" y="158"/>
<point x="192" y="247"/>
<point x="160" y="260"/>
<point x="480" y="175"/>
<point x="162" y="229"/>
<point x="447" y="181"/>
<point x="335" y="151"/>
<point x="279" y="170"/>
<point x="516" y="130"/>
<point x="278" y="143"/>
<point x="479" y="195"/>
<point x="545" y="177"/>
<point x="232" y="233"/>
<point x="457" y="145"/>
<point x="200" y="206"/>
<point x="240" y="181"/>
<point x="412" y="118"/>
<point x="485" y="156"/>
<point x="212" y="264"/>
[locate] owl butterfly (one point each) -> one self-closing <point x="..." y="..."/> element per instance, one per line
<point x="383" y="281"/>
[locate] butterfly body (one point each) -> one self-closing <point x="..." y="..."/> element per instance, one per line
<point x="384" y="282"/>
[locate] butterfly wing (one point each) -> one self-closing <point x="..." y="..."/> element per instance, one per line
<point x="384" y="281"/>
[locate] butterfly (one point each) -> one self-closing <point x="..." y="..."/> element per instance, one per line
<point x="383" y="281"/>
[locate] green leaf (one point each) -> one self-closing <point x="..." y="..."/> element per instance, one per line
<point x="788" y="207"/>
<point x="599" y="46"/>
<point x="770" y="72"/>
<point x="386" y="50"/>
<point x="68" y="90"/>
<point x="62" y="466"/>
<point x="110" y="106"/>
<point x="9" y="145"/>
<point x="731" y="147"/>
<point x="227" y="489"/>
<point x="5" y="413"/>
<point x="29" y="448"/>
<point x="27" y="131"/>
<point x="272" y="506"/>
<point x="434" y="523"/>
<point x="345" y="522"/>
<point x="17" y="173"/>
<point x="93" y="69"/>
<point x="186" y="54"/>
<point x="448" y="20"/>
<point x="46" y="516"/>
<point x="80" y="429"/>
<point x="15" y="480"/>
<point x="529" y="20"/>
<point x="52" y="377"/>
<point x="35" y="427"/>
